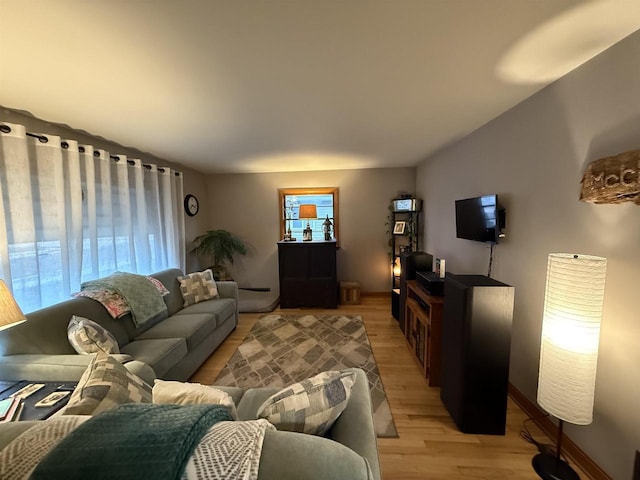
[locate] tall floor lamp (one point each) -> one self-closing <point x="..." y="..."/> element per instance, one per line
<point x="569" y="349"/>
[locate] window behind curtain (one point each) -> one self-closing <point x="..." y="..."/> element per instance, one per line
<point x="73" y="213"/>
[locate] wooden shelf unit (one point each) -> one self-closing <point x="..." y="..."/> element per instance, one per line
<point x="423" y="330"/>
<point x="407" y="241"/>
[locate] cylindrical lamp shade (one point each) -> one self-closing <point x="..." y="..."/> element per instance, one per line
<point x="10" y="312"/>
<point x="570" y="334"/>
<point x="308" y="210"/>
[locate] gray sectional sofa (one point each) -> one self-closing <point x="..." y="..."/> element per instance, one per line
<point x="349" y="450"/>
<point x="170" y="346"/>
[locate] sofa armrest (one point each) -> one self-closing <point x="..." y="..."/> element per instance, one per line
<point x="354" y="427"/>
<point x="293" y="456"/>
<point x="142" y="370"/>
<point x="230" y="290"/>
<point x="9" y="431"/>
<point x="227" y="289"/>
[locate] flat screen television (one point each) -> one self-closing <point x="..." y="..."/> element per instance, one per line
<point x="480" y="219"/>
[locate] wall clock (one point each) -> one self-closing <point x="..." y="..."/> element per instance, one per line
<point x="191" y="205"/>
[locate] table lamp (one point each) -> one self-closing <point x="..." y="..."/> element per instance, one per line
<point x="573" y="301"/>
<point x="307" y="211"/>
<point x="10" y="313"/>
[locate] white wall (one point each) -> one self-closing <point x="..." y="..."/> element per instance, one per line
<point x="247" y="206"/>
<point x="533" y="157"/>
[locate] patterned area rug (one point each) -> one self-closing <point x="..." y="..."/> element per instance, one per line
<point x="284" y="349"/>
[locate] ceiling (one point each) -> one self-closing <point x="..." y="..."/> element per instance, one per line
<point x="292" y="85"/>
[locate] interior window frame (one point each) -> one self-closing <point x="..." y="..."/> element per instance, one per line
<point x="284" y="192"/>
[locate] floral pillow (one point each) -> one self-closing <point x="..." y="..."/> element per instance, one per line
<point x="112" y="302"/>
<point x="158" y="284"/>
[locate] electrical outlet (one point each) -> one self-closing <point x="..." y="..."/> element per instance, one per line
<point x="636" y="468"/>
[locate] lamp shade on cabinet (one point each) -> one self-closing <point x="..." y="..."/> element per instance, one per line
<point x="308" y="210"/>
<point x="10" y="312"/>
<point x="573" y="301"/>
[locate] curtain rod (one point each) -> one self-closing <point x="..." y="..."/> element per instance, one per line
<point x="116" y="158"/>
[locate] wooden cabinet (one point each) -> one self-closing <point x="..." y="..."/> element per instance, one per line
<point x="410" y="263"/>
<point x="307" y="272"/>
<point x="423" y="330"/>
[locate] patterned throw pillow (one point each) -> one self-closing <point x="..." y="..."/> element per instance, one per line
<point x="198" y="287"/>
<point x="88" y="337"/>
<point x="310" y="406"/>
<point x="105" y="384"/>
<point x="182" y="393"/>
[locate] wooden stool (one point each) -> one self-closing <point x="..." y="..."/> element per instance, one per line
<point x="350" y="293"/>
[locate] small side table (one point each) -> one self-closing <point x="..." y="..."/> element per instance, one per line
<point x="30" y="411"/>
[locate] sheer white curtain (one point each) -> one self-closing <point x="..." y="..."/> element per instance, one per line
<point x="71" y="213"/>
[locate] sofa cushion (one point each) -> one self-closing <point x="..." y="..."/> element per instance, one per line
<point x="222" y="308"/>
<point x="193" y="328"/>
<point x="197" y="287"/>
<point x="183" y="393"/>
<point x="105" y="384"/>
<point x="310" y="406"/>
<point x="161" y="354"/>
<point x="88" y="337"/>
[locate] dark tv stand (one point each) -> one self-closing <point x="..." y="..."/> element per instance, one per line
<point x="476" y="344"/>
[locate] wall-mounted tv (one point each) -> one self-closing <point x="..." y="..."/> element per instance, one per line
<point x="480" y="219"/>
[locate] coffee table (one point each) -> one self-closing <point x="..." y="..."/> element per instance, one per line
<point x="29" y="410"/>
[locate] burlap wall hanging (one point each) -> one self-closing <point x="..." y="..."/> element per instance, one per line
<point x="613" y="179"/>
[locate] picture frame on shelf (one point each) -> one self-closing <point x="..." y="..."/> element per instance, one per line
<point x="399" y="228"/>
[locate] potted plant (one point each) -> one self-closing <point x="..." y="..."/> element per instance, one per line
<point x="219" y="246"/>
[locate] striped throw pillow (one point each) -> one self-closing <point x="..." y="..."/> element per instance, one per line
<point x="104" y="385"/>
<point x="87" y="337"/>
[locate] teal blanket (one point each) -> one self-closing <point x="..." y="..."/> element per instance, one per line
<point x="142" y="296"/>
<point x="131" y="442"/>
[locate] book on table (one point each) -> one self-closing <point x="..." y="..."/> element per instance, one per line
<point x="10" y="409"/>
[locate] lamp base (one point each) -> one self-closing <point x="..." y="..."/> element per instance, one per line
<point x="548" y="467"/>
<point x="307" y="234"/>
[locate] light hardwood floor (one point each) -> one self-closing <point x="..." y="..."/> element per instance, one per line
<point x="430" y="447"/>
